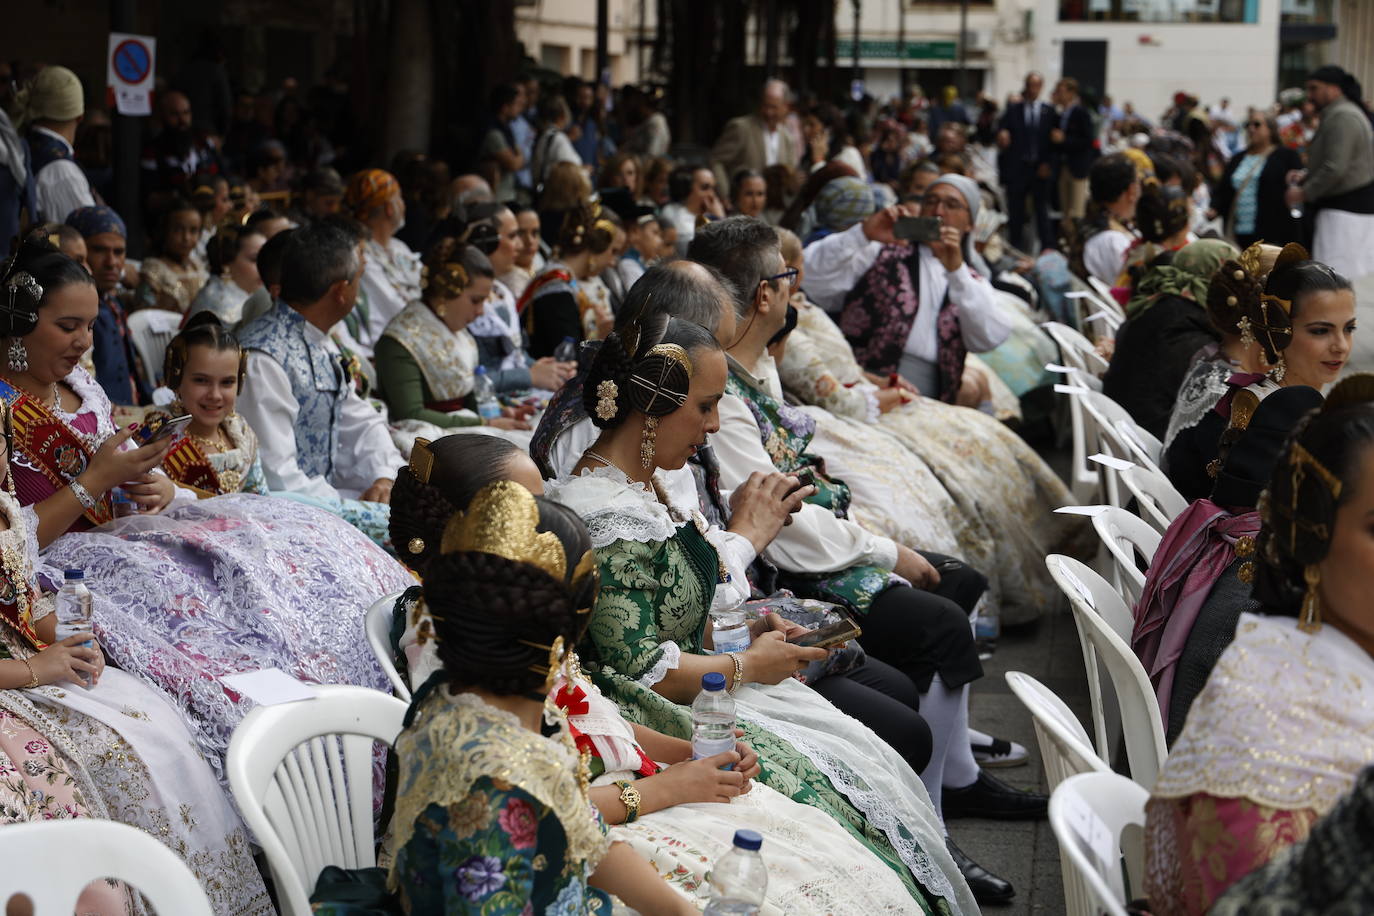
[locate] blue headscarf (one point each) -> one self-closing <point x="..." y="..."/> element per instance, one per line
<point x="91" y="221"/>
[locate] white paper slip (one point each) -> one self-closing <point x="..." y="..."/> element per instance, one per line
<point x="1079" y="587"/>
<point x="1055" y="367"/>
<point x="1070" y="389"/>
<point x="1113" y="462"/>
<point x="269" y="686"/>
<point x="1089" y="511"/>
<point x="1077" y="294"/>
<point x="1102" y="314"/>
<point x="1091" y="830"/>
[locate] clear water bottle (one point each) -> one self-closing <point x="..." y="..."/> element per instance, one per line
<point x="566" y="352"/>
<point x="484" y="392"/>
<point x="74" y="610"/>
<point x="713" y="718"/>
<point x="122" y="503"/>
<point x="739" y="878"/>
<point x="987" y="627"/>
<point x="729" y="631"/>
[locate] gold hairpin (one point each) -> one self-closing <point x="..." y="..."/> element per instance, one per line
<point x="503" y="520"/>
<point x="421" y="460"/>
<point x="673" y="352"/>
<point x="1249" y="259"/>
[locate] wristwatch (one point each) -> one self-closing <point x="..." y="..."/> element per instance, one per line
<point x="629" y="797"/>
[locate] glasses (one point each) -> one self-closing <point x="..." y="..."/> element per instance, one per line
<point x="790" y="275"/>
<point x="931" y="201"/>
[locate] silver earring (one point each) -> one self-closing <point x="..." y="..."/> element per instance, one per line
<point x="18" y="356"/>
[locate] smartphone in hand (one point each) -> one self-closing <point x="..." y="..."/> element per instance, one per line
<point x="829" y="636"/>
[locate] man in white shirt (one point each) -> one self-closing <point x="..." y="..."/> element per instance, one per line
<point x="315" y="435"/>
<point x="54" y="108"/>
<point x="912" y="345"/>
<point x="391" y="279"/>
<point x="758" y="140"/>
<point x="1115" y="188"/>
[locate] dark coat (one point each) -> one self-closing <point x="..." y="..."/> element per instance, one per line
<point x="1273" y="223"/>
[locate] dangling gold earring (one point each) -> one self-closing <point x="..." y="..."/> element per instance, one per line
<point x="646" y="444"/>
<point x="441" y="310"/>
<point x="1311" y="619"/>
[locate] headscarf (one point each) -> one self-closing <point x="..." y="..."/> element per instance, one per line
<point x="369" y="189"/>
<point x="1190" y="271"/>
<point x="966" y="187"/>
<point x="55" y="94"/>
<point x="91" y="221"/>
<point x="844" y="202"/>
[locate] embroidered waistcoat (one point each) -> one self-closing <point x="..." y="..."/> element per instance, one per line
<point x="316" y="383"/>
<point x="46" y="149"/>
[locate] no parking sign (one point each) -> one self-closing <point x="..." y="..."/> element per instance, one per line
<point x="131" y="62"/>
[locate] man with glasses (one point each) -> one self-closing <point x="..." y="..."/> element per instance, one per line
<point x="914" y="309"/>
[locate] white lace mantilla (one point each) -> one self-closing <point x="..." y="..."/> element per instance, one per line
<point x="614" y="508"/>
<point x="1286" y="720"/>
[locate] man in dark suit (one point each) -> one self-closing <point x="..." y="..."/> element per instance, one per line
<point x="1024" y="162"/>
<point x="1075" y="148"/>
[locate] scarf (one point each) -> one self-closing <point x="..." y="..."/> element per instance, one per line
<point x="878" y="314"/>
<point x="1193" y="555"/>
<point x="1187" y="276"/>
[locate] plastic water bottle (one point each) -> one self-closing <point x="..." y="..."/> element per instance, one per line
<point x="987" y="627"/>
<point x="566" y="352"/>
<point x="74" y="610"/>
<point x="122" y="503"/>
<point x="739" y="878"/>
<point x="713" y="718"/>
<point x="730" y="632"/>
<point x="488" y="408"/>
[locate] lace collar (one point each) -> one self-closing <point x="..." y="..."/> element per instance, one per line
<point x="616" y="508"/>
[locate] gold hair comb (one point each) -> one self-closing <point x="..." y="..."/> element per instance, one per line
<point x="421" y="460"/>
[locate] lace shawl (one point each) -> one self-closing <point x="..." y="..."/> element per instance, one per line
<point x="1286" y="720"/>
<point x="1203" y="387"/>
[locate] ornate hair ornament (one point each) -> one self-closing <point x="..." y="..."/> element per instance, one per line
<point x="670" y="353"/>
<point x="503" y="520"/>
<point x="449" y="278"/>
<point x="1249" y="259"/>
<point x="606" y="393"/>
<point x="22" y="281"/>
<point x="421" y="460"/>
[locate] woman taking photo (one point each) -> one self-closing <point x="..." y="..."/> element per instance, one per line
<point x="1250" y="193"/>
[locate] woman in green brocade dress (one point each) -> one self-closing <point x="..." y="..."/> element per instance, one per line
<point x="493" y="816"/>
<point x="660" y="572"/>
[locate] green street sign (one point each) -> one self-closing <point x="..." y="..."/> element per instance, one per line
<point x="887" y="49"/>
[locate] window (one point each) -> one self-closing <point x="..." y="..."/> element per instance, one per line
<point x="1159" y="10"/>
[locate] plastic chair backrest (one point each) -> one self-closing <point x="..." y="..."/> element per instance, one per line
<point x="1158" y="500"/>
<point x="51" y="862"/>
<point x="1108" y="808"/>
<point x="1141" y="723"/>
<point x="1065" y="751"/>
<point x="1075" y="349"/>
<point x="302" y="776"/>
<point x="150" y="331"/>
<point x="1124" y="535"/>
<point x="1103" y="295"/>
<point x="377" y="623"/>
<point x="1085" y="479"/>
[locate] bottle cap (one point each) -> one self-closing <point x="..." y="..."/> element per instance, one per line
<point x="713" y="680"/>
<point x="748" y="839"/>
<point x="74" y="574"/>
<point x="481" y="370"/>
<point x="568" y="339"/>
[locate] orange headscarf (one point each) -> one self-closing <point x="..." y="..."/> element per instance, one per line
<point x="369" y="189"/>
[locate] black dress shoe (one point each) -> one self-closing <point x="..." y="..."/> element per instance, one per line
<point x="992" y="798"/>
<point x="986" y="887"/>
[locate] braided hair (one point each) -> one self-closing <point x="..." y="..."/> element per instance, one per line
<point x="1163" y="211"/>
<point x="1293" y="278"/>
<point x="33" y="273"/>
<point x="203" y="330"/>
<point x="1299" y="507"/>
<point x="1232" y="293"/>
<point x="449" y="267"/>
<point x="488" y="609"/>
<point x="462" y="466"/>
<point x="626" y="376"/>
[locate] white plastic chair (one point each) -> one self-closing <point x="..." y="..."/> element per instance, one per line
<point x="1111" y="808"/>
<point x="1103" y="294"/>
<point x="150" y="331"/>
<point x="1075" y="349"/>
<point x="1065" y="751"/>
<point x="51" y="862"/>
<point x="1158" y="501"/>
<point x="1118" y="432"/>
<point x="1124" y="534"/>
<point x="377" y="623"/>
<point x="301" y="774"/>
<point x="1098" y="612"/>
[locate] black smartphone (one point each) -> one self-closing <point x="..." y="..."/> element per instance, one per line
<point x="160" y="428"/>
<point x="805" y="478"/>
<point x="917" y="229"/>
<point x="841" y="631"/>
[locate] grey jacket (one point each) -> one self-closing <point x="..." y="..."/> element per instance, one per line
<point x="1341" y="155"/>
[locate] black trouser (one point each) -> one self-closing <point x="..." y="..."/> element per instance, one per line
<point x="1017" y="186"/>
<point x="885" y="700"/>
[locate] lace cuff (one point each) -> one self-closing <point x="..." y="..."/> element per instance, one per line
<point x="870" y="395"/>
<point x="670" y="659"/>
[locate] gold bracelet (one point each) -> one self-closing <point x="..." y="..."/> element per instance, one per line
<point x="33" y="678"/>
<point x="739" y="670"/>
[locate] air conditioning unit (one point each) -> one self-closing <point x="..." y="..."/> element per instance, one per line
<point x="978" y="39"/>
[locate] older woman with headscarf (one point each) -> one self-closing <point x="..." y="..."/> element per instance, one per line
<point x="1166" y="325"/>
<point x="391" y="275"/>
